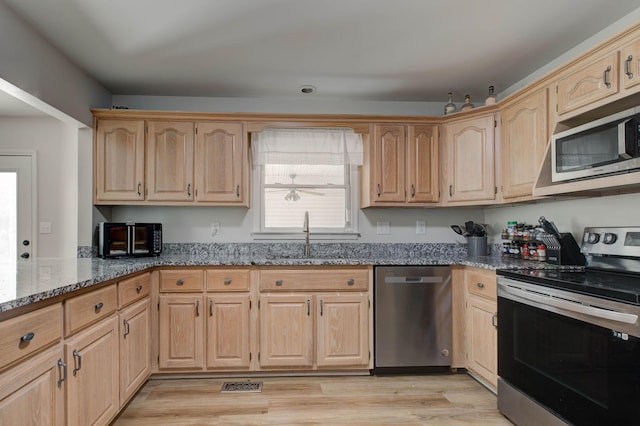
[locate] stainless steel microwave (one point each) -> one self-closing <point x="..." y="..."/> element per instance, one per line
<point x="121" y="239"/>
<point x="610" y="145"/>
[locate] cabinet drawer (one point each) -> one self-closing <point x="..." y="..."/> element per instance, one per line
<point x="181" y="281"/>
<point x="482" y="283"/>
<point x="24" y="335"/>
<point x="81" y="311"/>
<point x="227" y="279"/>
<point x="133" y="289"/>
<point x="314" y="279"/>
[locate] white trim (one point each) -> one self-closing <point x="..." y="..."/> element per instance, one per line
<point x="34" y="192"/>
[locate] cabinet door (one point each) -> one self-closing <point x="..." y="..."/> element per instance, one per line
<point x="286" y="331"/>
<point x="119" y="160"/>
<point x="32" y="393"/>
<point x="482" y="338"/>
<point x="630" y="57"/>
<point x="135" y="348"/>
<point x="181" y="325"/>
<point x="470" y="159"/>
<point x="343" y="330"/>
<point x="523" y="139"/>
<point x="92" y="388"/>
<point x="228" y="331"/>
<point x="221" y="165"/>
<point x="422" y="164"/>
<point x="596" y="80"/>
<point x="389" y="163"/>
<point x="170" y="161"/>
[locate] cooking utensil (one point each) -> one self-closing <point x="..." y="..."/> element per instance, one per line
<point x="457" y="229"/>
<point x="479" y="230"/>
<point x="468" y="227"/>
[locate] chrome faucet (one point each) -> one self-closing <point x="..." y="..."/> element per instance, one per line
<point x="305" y="229"/>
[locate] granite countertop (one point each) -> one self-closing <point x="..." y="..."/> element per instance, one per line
<point x="34" y="280"/>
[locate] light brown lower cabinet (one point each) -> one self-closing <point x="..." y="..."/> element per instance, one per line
<point x="181" y="326"/>
<point x="325" y="330"/>
<point x="481" y="333"/>
<point x="93" y="374"/>
<point x="32" y="393"/>
<point x="228" y="344"/>
<point x="135" y="347"/>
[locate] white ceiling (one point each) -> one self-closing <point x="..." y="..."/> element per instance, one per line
<point x="374" y="50"/>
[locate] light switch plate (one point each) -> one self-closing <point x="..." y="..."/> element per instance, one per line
<point x="383" y="228"/>
<point x="215" y="228"/>
<point x="421" y="227"/>
<point x="45" y="227"/>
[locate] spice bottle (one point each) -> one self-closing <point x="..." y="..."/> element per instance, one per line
<point x="542" y="252"/>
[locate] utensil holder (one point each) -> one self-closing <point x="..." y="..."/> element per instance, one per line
<point x="476" y="246"/>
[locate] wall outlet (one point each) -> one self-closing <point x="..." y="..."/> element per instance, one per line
<point x="45" y="227"/>
<point x="383" y="228"/>
<point x="215" y="228"/>
<point x="421" y="227"/>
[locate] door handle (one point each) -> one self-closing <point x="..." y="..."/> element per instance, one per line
<point x="211" y="307"/>
<point x="125" y="323"/>
<point x="605" y="76"/>
<point x="494" y="320"/>
<point x="308" y="307"/>
<point x="139" y="186"/>
<point x="627" y="66"/>
<point x="77" y="361"/>
<point x="62" y="371"/>
<point x="197" y="308"/>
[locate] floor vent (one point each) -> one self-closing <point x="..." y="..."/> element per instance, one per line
<point x="247" y="386"/>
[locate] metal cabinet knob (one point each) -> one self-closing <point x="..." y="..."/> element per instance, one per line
<point x="351" y="281"/>
<point x="138" y="289"/>
<point x="480" y="285"/>
<point x="279" y="282"/>
<point x="99" y="306"/>
<point x="180" y="281"/>
<point x="28" y="337"/>
<point x="227" y="281"/>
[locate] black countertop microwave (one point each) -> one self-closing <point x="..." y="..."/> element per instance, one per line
<point x="610" y="145"/>
<point x="123" y="239"/>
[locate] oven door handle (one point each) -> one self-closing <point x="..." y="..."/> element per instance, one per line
<point x="573" y="306"/>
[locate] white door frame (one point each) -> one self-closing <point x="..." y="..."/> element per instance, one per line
<point x="34" y="194"/>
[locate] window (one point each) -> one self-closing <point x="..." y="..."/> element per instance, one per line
<point x="295" y="173"/>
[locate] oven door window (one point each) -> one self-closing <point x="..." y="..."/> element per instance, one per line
<point x="585" y="373"/>
<point x="143" y="238"/>
<point x="117" y="240"/>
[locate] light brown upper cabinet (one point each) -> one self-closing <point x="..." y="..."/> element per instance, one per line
<point x="119" y="160"/>
<point x="469" y="162"/>
<point x="170" y="160"/>
<point x="593" y="80"/>
<point x="401" y="166"/>
<point x="608" y="73"/>
<point x="221" y="163"/>
<point x="176" y="163"/>
<point x="523" y="139"/>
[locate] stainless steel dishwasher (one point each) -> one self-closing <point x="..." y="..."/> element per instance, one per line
<point x="412" y="311"/>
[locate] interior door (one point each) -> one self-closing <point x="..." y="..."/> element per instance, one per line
<point x="16" y="207"/>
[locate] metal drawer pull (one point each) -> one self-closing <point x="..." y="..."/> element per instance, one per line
<point x="321" y="307"/>
<point x="308" y="307"/>
<point x="378" y="190"/>
<point x="62" y="371"/>
<point x="237" y="190"/>
<point x="180" y="281"/>
<point x="99" y="306"/>
<point x="28" y="337"/>
<point x="211" y="307"/>
<point x="279" y="282"/>
<point x="138" y="289"/>
<point x="413" y="191"/>
<point x="227" y="281"/>
<point x="605" y="74"/>
<point x="197" y="308"/>
<point x="480" y="285"/>
<point x="126" y="328"/>
<point x="450" y="190"/>
<point x="77" y="361"/>
<point x="494" y="320"/>
<point x="627" y="69"/>
<point x="351" y="281"/>
<point x="139" y="185"/>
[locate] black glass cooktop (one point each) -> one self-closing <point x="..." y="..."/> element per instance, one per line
<point x="609" y="285"/>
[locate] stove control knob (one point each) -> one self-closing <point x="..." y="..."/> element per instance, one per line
<point x="593" y="238"/>
<point x="609" y="238"/>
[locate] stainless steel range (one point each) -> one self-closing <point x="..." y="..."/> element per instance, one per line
<point x="569" y="340"/>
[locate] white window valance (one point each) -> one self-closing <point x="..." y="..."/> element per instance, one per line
<point x="307" y="146"/>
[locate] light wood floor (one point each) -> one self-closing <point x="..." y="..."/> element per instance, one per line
<point x="439" y="399"/>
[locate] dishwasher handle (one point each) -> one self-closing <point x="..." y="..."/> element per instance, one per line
<point x="413" y="280"/>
